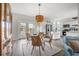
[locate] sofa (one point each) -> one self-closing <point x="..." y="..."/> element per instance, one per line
<point x="71" y="45"/>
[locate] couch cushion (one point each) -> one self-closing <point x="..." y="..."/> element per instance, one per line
<point x="74" y="44"/>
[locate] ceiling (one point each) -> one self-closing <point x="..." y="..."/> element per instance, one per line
<point x="49" y="10"/>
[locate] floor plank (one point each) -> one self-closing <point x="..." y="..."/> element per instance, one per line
<point x="22" y="47"/>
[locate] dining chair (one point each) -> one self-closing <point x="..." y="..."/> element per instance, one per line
<point x="48" y="40"/>
<point x="36" y="42"/>
<point x="41" y="35"/>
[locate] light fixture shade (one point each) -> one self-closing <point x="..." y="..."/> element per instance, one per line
<point x="39" y="18"/>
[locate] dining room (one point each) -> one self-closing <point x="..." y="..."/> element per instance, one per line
<point x="38" y="29"/>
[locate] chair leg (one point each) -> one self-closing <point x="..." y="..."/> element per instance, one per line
<point x="42" y="48"/>
<point x="50" y="44"/>
<point x="44" y="43"/>
<point x="32" y="50"/>
<point x="39" y="51"/>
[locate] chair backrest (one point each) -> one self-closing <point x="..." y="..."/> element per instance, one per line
<point x="36" y="41"/>
<point x="41" y="35"/>
<point x="50" y="38"/>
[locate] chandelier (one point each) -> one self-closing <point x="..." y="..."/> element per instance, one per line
<point x="39" y="18"/>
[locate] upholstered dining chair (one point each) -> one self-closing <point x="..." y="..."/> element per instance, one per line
<point x="48" y="40"/>
<point x="36" y="42"/>
<point x="41" y="35"/>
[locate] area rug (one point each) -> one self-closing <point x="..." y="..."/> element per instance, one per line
<point x="48" y="51"/>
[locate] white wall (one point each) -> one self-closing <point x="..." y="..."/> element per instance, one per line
<point x="17" y="19"/>
<point x="14" y="27"/>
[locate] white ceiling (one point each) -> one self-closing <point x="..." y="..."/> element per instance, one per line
<point x="49" y="10"/>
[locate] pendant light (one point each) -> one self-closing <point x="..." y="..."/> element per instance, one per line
<point x="39" y="18"/>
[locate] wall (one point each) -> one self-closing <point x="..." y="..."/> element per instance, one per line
<point x="17" y="19"/>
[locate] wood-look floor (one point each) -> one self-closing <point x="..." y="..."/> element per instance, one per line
<point x="20" y="47"/>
